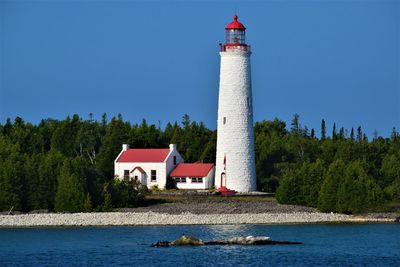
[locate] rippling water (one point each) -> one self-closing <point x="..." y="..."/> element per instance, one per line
<point x="324" y="245"/>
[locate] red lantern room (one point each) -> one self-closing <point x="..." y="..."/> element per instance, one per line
<point x="235" y="37"/>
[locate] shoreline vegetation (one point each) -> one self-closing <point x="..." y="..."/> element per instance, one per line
<point x="68" y="166"/>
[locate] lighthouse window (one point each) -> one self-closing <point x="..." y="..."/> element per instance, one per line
<point x="224" y="120"/>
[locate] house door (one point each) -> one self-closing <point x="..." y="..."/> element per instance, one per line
<point x="223" y="179"/>
<point x="143" y="179"/>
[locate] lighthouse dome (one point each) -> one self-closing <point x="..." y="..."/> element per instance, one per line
<point x="235" y="25"/>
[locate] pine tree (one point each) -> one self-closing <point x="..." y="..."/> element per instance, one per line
<point x="341" y="133"/>
<point x="312" y="134"/>
<point x="329" y="189"/>
<point x="71" y="191"/>
<point x="334" y="132"/>
<point x="87" y="206"/>
<point x="359" y="134"/>
<point x="295" y="124"/>
<point x="352" y="134"/>
<point x="358" y="192"/>
<point x="323" y="130"/>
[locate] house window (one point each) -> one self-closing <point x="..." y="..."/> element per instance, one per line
<point x="126" y="175"/>
<point x="174" y="160"/>
<point x="224" y="120"/>
<point x="153" y="175"/>
<point x="197" y="179"/>
<point x="180" y="179"/>
<point x="136" y="177"/>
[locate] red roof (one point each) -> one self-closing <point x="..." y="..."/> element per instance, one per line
<point x="144" y="155"/>
<point x="235" y="25"/>
<point x="192" y="170"/>
<point x="139" y="169"/>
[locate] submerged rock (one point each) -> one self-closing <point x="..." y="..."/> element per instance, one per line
<point x="240" y="240"/>
<point x="185" y="240"/>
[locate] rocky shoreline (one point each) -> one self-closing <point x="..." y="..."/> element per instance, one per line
<point x="155" y="218"/>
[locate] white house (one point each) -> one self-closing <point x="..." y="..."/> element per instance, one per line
<point x="150" y="166"/>
<point x="193" y="175"/>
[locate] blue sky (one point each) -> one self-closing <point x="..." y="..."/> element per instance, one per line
<point x="337" y="60"/>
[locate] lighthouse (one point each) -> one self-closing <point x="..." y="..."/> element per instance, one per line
<point x="235" y="163"/>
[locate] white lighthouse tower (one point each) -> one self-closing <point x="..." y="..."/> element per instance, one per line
<point x="235" y="163"/>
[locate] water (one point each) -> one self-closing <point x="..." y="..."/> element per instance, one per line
<point x="324" y="245"/>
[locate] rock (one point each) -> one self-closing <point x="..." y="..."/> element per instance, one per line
<point x="185" y="240"/>
<point x="248" y="240"/>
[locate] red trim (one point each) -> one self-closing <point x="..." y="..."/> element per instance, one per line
<point x="139" y="169"/>
<point x="243" y="47"/>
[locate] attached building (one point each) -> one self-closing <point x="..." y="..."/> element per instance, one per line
<point x="193" y="175"/>
<point x="150" y="166"/>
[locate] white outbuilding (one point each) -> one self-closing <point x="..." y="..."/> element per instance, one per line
<point x="150" y="166"/>
<point x="195" y="176"/>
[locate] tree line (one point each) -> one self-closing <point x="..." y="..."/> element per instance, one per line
<point x="67" y="165"/>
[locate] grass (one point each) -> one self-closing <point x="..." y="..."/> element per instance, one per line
<point x="198" y="199"/>
<point x="391" y="206"/>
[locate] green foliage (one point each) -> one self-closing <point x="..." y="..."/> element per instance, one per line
<point x="302" y="185"/>
<point x="87" y="205"/>
<point x="67" y="165"/>
<point x="358" y="191"/>
<point x="71" y="189"/>
<point x="329" y="189"/>
<point x="127" y="193"/>
<point x="171" y="184"/>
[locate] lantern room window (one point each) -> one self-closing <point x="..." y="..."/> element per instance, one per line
<point x="235" y="36"/>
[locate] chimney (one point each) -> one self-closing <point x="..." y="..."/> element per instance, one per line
<point x="125" y="147"/>
<point x="172" y="147"/>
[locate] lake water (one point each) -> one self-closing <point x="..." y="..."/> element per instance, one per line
<point x="324" y="245"/>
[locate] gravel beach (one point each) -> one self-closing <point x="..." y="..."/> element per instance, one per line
<point x="152" y="218"/>
<point x="190" y="210"/>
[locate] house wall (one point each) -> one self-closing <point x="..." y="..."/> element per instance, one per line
<point x="208" y="182"/>
<point x="170" y="160"/>
<point x="160" y="168"/>
<point x="142" y="177"/>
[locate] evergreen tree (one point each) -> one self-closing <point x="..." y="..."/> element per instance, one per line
<point x="357" y="192"/>
<point x="87" y="206"/>
<point x="11" y="176"/>
<point x="323" y="130"/>
<point x="329" y="189"/>
<point x="312" y="133"/>
<point x="359" y="134"/>
<point x="352" y="134"/>
<point x="11" y="185"/>
<point x="295" y="124"/>
<point x="71" y="189"/>
<point x="341" y="133"/>
<point x="334" y="132"/>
